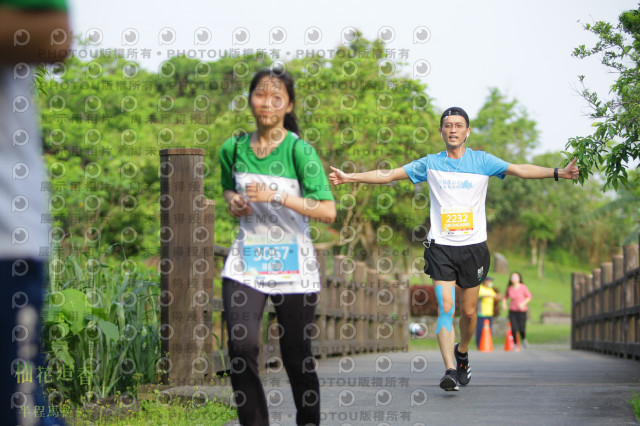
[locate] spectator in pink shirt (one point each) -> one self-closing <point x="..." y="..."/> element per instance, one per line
<point x="519" y="297"/>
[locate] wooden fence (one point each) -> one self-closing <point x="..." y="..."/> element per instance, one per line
<point x="359" y="310"/>
<point x="606" y="306"/>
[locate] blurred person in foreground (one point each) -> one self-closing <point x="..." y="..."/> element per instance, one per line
<point x="31" y="32"/>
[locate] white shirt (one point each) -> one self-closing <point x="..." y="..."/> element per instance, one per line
<point x="457" y="190"/>
<point x="22" y="173"/>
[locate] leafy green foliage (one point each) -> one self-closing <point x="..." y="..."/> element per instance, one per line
<point x="106" y="119"/>
<point x="504" y="129"/>
<point x="101" y="327"/>
<point x="538" y="215"/>
<point x="368" y="117"/>
<point x="615" y="144"/>
<point x="622" y="211"/>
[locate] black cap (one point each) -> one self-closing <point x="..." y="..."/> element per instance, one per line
<point x="454" y="111"/>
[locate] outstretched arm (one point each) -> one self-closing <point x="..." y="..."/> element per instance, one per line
<point x="338" y="177"/>
<point x="531" y="171"/>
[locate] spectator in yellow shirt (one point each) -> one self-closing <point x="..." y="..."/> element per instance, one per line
<point x="486" y="298"/>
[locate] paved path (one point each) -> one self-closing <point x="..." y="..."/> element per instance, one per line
<point x="539" y="386"/>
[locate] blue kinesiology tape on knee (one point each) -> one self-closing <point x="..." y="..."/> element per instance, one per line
<point x="445" y="319"/>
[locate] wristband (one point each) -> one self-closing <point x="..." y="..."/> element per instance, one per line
<point x="555" y="174"/>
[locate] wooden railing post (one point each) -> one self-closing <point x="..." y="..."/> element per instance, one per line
<point x="203" y="299"/>
<point x="360" y="307"/>
<point x="402" y="310"/>
<point x="321" y="338"/>
<point x="597" y="307"/>
<point x="574" y="311"/>
<point x="618" y="307"/>
<point x="630" y="256"/>
<point x="579" y="306"/>
<point x="384" y="298"/>
<point x="607" y="300"/>
<point x="185" y="267"/>
<point x="343" y="331"/>
<point x="589" y="309"/>
<point x="372" y="282"/>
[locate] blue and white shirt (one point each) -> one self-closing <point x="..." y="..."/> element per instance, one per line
<point x="457" y="190"/>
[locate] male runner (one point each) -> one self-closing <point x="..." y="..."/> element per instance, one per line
<point x="456" y="251"/>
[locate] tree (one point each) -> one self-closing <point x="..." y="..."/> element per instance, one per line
<point x="622" y="211"/>
<point x="615" y="142"/>
<point x="361" y="114"/>
<point x="504" y="129"/>
<point x="546" y="219"/>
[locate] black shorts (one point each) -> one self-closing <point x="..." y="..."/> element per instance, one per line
<point x="468" y="265"/>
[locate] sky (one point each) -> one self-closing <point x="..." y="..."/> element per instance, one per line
<point x="459" y="49"/>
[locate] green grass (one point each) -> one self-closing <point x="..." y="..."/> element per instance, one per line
<point x="423" y="344"/>
<point x="635" y="403"/>
<point x="554" y="286"/>
<point x="155" y="413"/>
<point x="537" y="334"/>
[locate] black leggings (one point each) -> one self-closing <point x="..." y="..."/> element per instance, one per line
<point x="518" y="322"/>
<point x="243" y="307"/>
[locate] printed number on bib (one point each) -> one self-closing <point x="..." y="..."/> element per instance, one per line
<point x="457" y="221"/>
<point x="265" y="259"/>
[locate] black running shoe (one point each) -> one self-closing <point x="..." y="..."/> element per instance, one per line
<point x="449" y="381"/>
<point x="462" y="366"/>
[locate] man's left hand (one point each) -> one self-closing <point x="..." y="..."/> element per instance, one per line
<point x="571" y="171"/>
